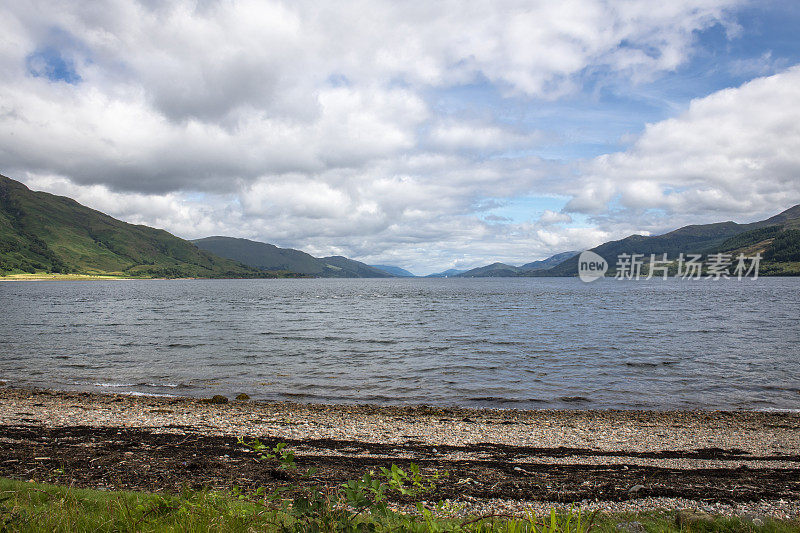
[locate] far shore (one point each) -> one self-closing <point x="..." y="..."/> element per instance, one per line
<point x="78" y="277"/>
<point x="106" y="277"/>
<point x="727" y="462"/>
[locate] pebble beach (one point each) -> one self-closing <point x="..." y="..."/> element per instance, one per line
<point x="507" y="461"/>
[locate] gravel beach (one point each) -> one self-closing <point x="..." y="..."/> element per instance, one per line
<point x="735" y="462"/>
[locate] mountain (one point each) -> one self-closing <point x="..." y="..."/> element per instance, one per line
<point x="395" y="271"/>
<point x="502" y="270"/>
<point x="449" y="273"/>
<point x="495" y="270"/>
<point x="41" y="232"/>
<point x="348" y="268"/>
<point x="265" y="256"/>
<point x="261" y="255"/>
<point x="550" y="262"/>
<point x="774" y="238"/>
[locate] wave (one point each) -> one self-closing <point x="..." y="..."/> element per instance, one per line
<point x="181" y="345"/>
<point x="500" y="399"/>
<point x="115" y="385"/>
<point x="574" y="399"/>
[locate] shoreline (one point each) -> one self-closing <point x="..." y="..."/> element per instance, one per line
<point x="730" y="462"/>
<point x="115" y="389"/>
<point x="82" y="277"/>
<point x="102" y="277"/>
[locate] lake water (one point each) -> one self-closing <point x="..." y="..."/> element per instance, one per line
<point x="508" y="343"/>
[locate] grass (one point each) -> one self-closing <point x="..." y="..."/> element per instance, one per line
<point x="53" y="508"/>
<point x="40" y="507"/>
<point x="60" y="277"/>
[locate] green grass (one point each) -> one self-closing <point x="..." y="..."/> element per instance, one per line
<point x="52" y="508"/>
<point x="40" y="507"/>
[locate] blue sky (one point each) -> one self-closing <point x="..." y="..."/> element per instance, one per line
<point x="49" y="63"/>
<point x="410" y="134"/>
<point x="597" y="119"/>
<point x="606" y="115"/>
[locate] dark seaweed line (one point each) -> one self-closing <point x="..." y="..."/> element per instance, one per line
<point x="350" y="447"/>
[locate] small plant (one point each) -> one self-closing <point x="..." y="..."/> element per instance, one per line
<point x="356" y="505"/>
<point x="279" y="453"/>
<point x="362" y="504"/>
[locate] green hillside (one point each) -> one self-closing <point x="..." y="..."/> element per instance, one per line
<point x="41" y="232"/>
<point x="265" y="256"/>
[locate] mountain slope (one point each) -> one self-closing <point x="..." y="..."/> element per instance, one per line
<point x="262" y="255"/>
<point x="502" y="270"/>
<point x="349" y="268"/>
<point x="41" y="232"/>
<point x="550" y="262"/>
<point x="265" y="256"/>
<point x="395" y="271"/>
<point x="700" y="239"/>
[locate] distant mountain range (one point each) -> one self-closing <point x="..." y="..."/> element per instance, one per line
<point x="777" y="239"/>
<point x="41" y="232"/>
<point x="265" y="256"/>
<point x="502" y="270"/>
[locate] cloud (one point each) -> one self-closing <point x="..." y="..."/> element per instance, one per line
<point x="311" y="124"/>
<point x="549" y="217"/>
<point x="480" y="138"/>
<point x="422" y="220"/>
<point x="204" y="96"/>
<point x="734" y="153"/>
<point x="124" y="144"/>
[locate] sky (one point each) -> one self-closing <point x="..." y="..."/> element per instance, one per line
<point x="427" y="135"/>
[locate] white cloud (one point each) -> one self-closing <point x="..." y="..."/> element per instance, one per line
<point x="463" y="136"/>
<point x="549" y="217"/>
<point x="733" y="153"/>
<point x="187" y="95"/>
<point x="121" y="142"/>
